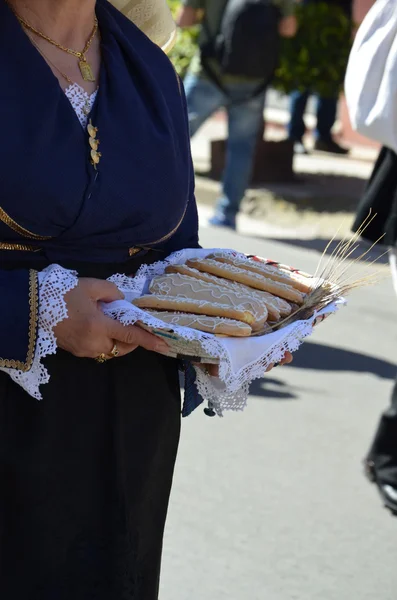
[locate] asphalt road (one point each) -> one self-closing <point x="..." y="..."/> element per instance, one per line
<point x="271" y="503"/>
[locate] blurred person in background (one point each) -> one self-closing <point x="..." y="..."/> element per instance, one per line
<point x="326" y="110"/>
<point x="380" y="200"/>
<point x="240" y="87"/>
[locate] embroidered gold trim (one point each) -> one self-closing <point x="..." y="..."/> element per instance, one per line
<point x="33" y="318"/>
<point x="7" y="220"/>
<point x="19" y="247"/>
<point x="171" y="233"/>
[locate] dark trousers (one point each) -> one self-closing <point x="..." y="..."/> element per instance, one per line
<point x="325" y="113"/>
<point x="383" y="451"/>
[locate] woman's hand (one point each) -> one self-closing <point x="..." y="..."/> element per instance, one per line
<point x="87" y="332"/>
<point x="213" y="370"/>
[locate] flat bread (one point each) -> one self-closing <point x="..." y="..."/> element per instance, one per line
<point x="184" y="286"/>
<point x="200" y="307"/>
<point x="215" y="325"/>
<point x="271" y="271"/>
<point x="254" y="280"/>
<point x="277" y="307"/>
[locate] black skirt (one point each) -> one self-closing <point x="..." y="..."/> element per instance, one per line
<point x="379" y="201"/>
<point x="85" y="476"/>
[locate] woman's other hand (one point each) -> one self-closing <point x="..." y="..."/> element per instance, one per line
<point x="213" y="370"/>
<point x="87" y="332"/>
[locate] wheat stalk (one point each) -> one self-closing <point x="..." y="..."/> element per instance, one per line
<point x="330" y="280"/>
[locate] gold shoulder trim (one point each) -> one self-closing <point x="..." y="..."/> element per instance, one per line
<point x="20" y="247"/>
<point x="34" y="315"/>
<point x="170" y="233"/>
<point x="5" y="218"/>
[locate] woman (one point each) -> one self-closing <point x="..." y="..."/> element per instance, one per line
<point x="380" y="200"/>
<point x="85" y="474"/>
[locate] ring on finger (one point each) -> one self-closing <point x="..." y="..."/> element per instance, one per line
<point x="102" y="358"/>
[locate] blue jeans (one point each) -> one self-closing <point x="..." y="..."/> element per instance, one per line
<point x="326" y="116"/>
<point x="245" y="123"/>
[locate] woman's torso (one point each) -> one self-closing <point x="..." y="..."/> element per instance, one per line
<point x="52" y="199"/>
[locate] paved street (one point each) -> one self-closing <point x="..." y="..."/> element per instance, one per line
<point x="271" y="504"/>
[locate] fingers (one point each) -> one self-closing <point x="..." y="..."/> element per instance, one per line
<point x="103" y="291"/>
<point x="212" y="370"/>
<point x="132" y="336"/>
<point x="288" y="358"/>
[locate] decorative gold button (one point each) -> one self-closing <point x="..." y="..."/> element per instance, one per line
<point x="95" y="157"/>
<point x="92" y="131"/>
<point x="133" y="251"/>
<point x="94" y="143"/>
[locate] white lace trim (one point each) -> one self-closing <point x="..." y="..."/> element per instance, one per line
<point x="241" y="360"/>
<point x="81" y="101"/>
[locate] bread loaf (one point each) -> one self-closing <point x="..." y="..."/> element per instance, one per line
<point x="175" y="284"/>
<point x="254" y="280"/>
<point x="276" y="306"/>
<point x="216" y="325"/>
<point x="267" y="270"/>
<point x="200" y="307"/>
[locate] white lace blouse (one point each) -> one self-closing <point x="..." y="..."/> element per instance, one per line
<point x="81" y="101"/>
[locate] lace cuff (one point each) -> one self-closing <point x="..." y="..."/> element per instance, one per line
<point x="53" y="283"/>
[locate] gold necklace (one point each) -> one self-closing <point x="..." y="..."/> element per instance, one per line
<point x="87" y="108"/>
<point x="92" y="131"/>
<point x="85" y="67"/>
<point x="70" y="81"/>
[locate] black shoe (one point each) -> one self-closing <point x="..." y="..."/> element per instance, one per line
<point x="389" y="497"/>
<point x="388" y="492"/>
<point x="330" y="146"/>
<point x="300" y="148"/>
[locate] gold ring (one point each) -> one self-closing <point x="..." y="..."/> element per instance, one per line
<point x="115" y="351"/>
<point x="102" y="358"/>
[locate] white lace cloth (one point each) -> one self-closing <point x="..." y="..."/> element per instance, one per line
<point x="240" y="360"/>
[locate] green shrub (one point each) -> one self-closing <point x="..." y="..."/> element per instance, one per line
<point x="316" y="57"/>
<point x="186" y="44"/>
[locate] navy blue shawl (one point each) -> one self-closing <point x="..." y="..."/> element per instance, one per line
<point x="54" y="205"/>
